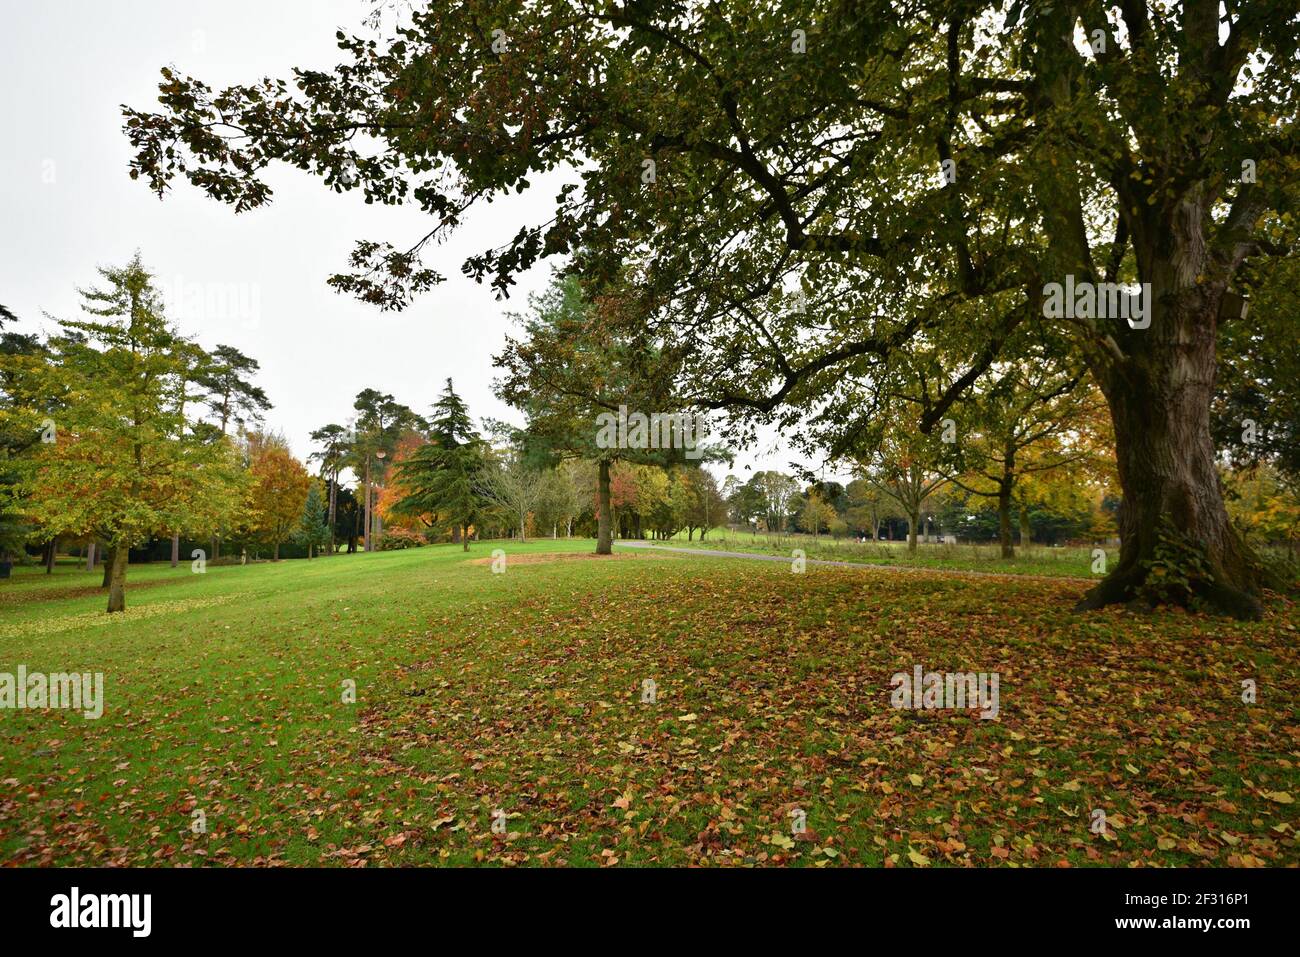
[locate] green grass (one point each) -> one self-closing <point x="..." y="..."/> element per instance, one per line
<point x="1065" y="562"/>
<point x="522" y="691"/>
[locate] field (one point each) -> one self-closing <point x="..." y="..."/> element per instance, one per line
<point x="523" y="692"/>
<point x="1067" y="562"/>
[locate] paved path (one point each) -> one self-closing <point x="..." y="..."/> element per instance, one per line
<point x="754" y="556"/>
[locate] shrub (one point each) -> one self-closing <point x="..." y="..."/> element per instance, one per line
<point x="395" y="538"/>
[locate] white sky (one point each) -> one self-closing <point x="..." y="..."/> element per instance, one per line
<point x="68" y="205"/>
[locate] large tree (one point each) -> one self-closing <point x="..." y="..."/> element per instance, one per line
<point x="901" y="160"/>
<point x="122" y="462"/>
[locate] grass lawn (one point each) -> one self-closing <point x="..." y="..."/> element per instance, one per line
<point x="522" y="692"/>
<point x="1066" y="562"/>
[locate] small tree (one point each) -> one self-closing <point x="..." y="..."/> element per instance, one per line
<point x="313" y="531"/>
<point x="512" y="487"/>
<point x="280" y="489"/>
<point x="816" y="514"/>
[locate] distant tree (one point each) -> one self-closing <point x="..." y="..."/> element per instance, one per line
<point x="281" y="486"/>
<point x="230" y="393"/>
<point x="568" y="370"/>
<point x="778" y="491"/>
<point x="706" y="507"/>
<point x="442" y="478"/>
<point x="1023" y="418"/>
<point x="334" y="441"/>
<point x="868" y="506"/>
<point x="313" y="530"/>
<point x="559" y="501"/>
<point x="512" y="487"/>
<point x="816" y="513"/>
<point x="380" y="423"/>
<point x="906" y="467"/>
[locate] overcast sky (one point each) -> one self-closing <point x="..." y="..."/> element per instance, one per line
<point x="255" y="281"/>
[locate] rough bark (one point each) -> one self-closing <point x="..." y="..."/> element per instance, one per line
<point x="913" y="520"/>
<point x="604" y="544"/>
<point x="1159" y="398"/>
<point x="116" y="570"/>
<point x="90" y="557"/>
<point x="108" y="567"/>
<point x="176" y="549"/>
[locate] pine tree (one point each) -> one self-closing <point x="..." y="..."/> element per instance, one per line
<point x="442" y="475"/>
<point x="313" y="531"/>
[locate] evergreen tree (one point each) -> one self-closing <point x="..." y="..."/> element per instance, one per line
<point x="313" y="531"/>
<point x="442" y="475"/>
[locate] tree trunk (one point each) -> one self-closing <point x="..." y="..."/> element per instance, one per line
<point x="108" y="567"/>
<point x="604" y="544"/>
<point x="334" y="498"/>
<point x="366" y="517"/>
<point x="116" y="572"/>
<point x="50" y="550"/>
<point x="1159" y="399"/>
<point x="1004" y="521"/>
<point x="90" y="557"/>
<point x="464" y="538"/>
<point x="913" y="520"/>
<point x="1026" y="533"/>
<point x="275" y="556"/>
<point x="176" y="549"/>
